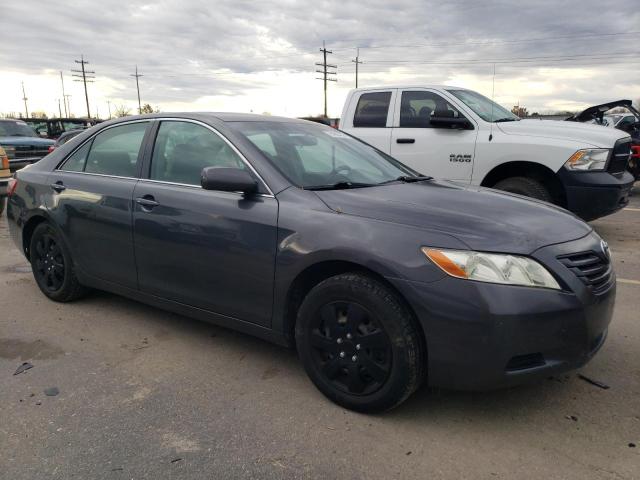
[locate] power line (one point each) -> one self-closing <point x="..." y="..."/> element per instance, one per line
<point x="138" y="75"/>
<point x="86" y="74"/>
<point x="325" y="73"/>
<point x="500" y="42"/>
<point x="357" y="62"/>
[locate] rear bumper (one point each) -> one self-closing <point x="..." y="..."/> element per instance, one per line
<point x="483" y="336"/>
<point x="592" y="195"/>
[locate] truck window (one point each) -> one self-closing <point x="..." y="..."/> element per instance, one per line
<point x="416" y="108"/>
<point x="372" y="110"/>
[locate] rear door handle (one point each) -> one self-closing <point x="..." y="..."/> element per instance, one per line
<point x="147" y="202"/>
<point x="406" y="140"/>
<point x="58" y="186"/>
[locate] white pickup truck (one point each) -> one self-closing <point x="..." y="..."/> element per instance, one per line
<point x="460" y="135"/>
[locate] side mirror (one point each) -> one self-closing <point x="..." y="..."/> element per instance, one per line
<point x="42" y="133"/>
<point x="228" y="180"/>
<point x="445" y="119"/>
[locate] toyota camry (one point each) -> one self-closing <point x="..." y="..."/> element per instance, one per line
<point x="382" y="278"/>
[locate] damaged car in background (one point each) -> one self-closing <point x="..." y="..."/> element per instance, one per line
<point x="620" y="114"/>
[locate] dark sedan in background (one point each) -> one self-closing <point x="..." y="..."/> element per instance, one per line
<point x="302" y="235"/>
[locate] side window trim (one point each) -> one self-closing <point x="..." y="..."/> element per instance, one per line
<point x="92" y="138"/>
<point x="147" y="170"/>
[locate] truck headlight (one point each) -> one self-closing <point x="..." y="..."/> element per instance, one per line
<point x="588" y="160"/>
<point x="10" y="151"/>
<point x="492" y="268"/>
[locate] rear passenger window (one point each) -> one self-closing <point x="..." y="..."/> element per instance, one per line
<point x="77" y="161"/>
<point x="372" y="110"/>
<point x="183" y="149"/>
<point x="115" y="151"/>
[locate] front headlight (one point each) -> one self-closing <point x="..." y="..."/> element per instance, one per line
<point x="591" y="160"/>
<point x="492" y="268"/>
<point x="10" y="151"/>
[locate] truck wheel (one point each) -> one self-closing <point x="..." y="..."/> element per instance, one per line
<point x="525" y="186"/>
<point x="359" y="344"/>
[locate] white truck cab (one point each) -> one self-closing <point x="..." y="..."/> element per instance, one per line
<point x="460" y="135"/>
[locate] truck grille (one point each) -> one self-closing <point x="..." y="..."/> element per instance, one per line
<point x="28" y="151"/>
<point x="620" y="156"/>
<point x="593" y="269"/>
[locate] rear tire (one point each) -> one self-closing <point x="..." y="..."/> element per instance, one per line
<point x="526" y="186"/>
<point x="52" y="265"/>
<point x="359" y="343"/>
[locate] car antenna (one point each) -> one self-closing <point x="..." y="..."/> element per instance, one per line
<point x="493" y="92"/>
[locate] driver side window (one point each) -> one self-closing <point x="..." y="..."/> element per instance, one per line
<point x="417" y="107"/>
<point x="183" y="149"/>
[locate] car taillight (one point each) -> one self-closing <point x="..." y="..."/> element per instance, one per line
<point x="635" y="151"/>
<point x="5" y="162"/>
<point x="13" y="183"/>
<point x="51" y="148"/>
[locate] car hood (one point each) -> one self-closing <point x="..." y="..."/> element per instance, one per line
<point x="483" y="219"/>
<point x="587" y="134"/>
<point x="28" y="141"/>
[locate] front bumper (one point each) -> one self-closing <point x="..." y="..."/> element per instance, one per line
<point x="483" y="336"/>
<point x="592" y="195"/>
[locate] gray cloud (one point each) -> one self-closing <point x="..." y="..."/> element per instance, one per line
<point x="189" y="49"/>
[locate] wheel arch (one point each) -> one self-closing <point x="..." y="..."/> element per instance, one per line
<point x="534" y="170"/>
<point x="313" y="274"/>
<point x="28" y="229"/>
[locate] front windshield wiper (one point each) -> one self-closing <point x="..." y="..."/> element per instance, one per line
<point x="407" y="179"/>
<point x="340" y="186"/>
<point x="506" y="119"/>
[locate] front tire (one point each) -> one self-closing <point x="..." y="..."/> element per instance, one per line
<point x="52" y="265"/>
<point x="526" y="186"/>
<point x="359" y="343"/>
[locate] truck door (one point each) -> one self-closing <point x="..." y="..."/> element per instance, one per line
<point x="370" y="117"/>
<point x="440" y="152"/>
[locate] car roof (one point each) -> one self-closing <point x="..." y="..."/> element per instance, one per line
<point x="220" y="116"/>
<point x="388" y="87"/>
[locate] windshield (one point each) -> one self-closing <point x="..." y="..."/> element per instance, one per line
<point x="15" y="129"/>
<point x="315" y="156"/>
<point x="486" y="109"/>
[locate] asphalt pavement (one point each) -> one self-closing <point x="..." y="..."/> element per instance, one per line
<point x="143" y="393"/>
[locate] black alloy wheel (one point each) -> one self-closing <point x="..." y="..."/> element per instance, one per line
<point x="359" y="343"/>
<point x="350" y="348"/>
<point x="52" y="266"/>
<point x="48" y="262"/>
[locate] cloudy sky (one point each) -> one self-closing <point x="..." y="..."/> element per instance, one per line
<point x="259" y="56"/>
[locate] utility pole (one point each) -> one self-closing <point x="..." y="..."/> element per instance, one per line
<point x="109" y="107"/>
<point x="357" y="62"/>
<point x="64" y="97"/>
<point x="68" y="103"/>
<point x="138" y="75"/>
<point x="59" y="108"/>
<point x="325" y="73"/>
<point x="24" y="99"/>
<point x="86" y="74"/>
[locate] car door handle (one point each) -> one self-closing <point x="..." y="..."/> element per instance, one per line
<point x="406" y="140"/>
<point x="147" y="202"/>
<point x="58" y="187"/>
